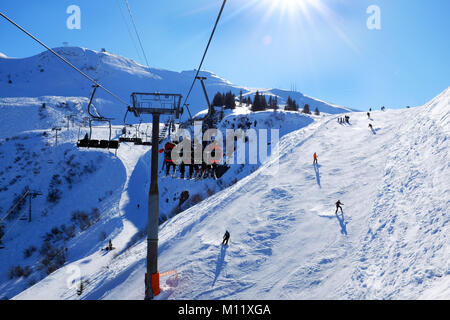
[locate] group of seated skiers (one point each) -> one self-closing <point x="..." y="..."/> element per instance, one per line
<point x="343" y="120"/>
<point x="195" y="171"/>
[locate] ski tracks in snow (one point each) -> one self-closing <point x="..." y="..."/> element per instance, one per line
<point x="403" y="253"/>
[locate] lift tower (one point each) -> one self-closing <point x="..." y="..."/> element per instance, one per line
<point x="156" y="104"/>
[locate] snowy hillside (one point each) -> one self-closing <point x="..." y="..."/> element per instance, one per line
<point x="88" y="197"/>
<point x="24" y="78"/>
<point x="390" y="242"/>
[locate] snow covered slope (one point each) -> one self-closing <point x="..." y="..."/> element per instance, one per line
<point x="391" y="241"/>
<point x="88" y="196"/>
<point x="46" y="75"/>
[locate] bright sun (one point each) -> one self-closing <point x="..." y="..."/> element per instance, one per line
<point x="293" y="6"/>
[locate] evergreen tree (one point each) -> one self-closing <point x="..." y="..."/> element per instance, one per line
<point x="275" y="103"/>
<point x="263" y="102"/>
<point x="306" y="109"/>
<point x="230" y="100"/>
<point x="257" y="103"/>
<point x="218" y="100"/>
<point x="291" y="105"/>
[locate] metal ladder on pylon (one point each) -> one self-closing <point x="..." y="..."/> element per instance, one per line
<point x="167" y="126"/>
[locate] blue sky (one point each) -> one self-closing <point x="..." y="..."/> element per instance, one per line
<point x="323" y="48"/>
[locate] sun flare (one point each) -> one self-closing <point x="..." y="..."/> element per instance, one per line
<point x="293" y="7"/>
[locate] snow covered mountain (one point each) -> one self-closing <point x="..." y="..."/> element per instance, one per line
<point x="46" y="75"/>
<point x="390" y="242"/>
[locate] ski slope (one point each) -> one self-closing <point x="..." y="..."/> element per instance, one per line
<point x="391" y="242"/>
<point x="114" y="184"/>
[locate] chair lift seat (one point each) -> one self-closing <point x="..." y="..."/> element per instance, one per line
<point x="127" y="139"/>
<point x="94" y="144"/>
<point x="83" y="144"/>
<point x="113" y="144"/>
<point x="104" y="144"/>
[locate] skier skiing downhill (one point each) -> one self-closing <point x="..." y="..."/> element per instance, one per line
<point x="339" y="205"/>
<point x="315" y="158"/>
<point x="226" y="237"/>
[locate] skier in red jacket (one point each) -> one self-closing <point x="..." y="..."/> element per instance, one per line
<point x="168" y="157"/>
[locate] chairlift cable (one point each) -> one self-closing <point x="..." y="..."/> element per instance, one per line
<point x="137" y="34"/>
<point x="10" y="227"/>
<point x="22" y="198"/>
<point x="128" y="29"/>
<point x="64" y="60"/>
<point x="203" y="58"/>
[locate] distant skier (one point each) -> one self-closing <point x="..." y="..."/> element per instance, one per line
<point x="371" y="127"/>
<point x="368" y="115"/>
<point x="315" y="158"/>
<point x="226" y="237"/>
<point x="347" y="119"/>
<point x="110" y="246"/>
<point x="339" y="205"/>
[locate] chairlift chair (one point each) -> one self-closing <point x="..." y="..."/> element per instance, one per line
<point x="136" y="140"/>
<point x="88" y="142"/>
